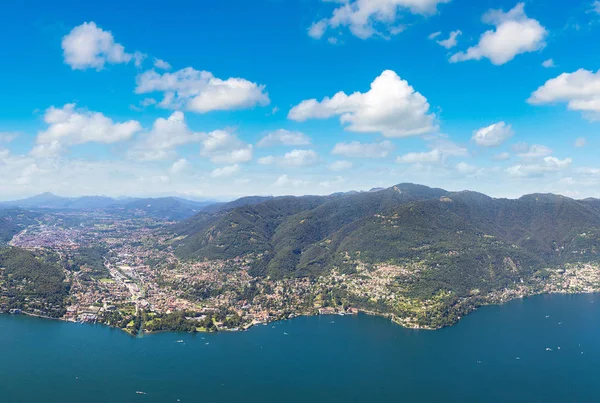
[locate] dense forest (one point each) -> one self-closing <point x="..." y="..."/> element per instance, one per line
<point x="466" y="240"/>
<point x="31" y="283"/>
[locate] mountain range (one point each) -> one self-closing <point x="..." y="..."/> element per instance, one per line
<point x="467" y="240"/>
<point x="168" y="208"/>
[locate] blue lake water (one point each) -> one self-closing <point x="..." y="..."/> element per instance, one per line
<point x="496" y="354"/>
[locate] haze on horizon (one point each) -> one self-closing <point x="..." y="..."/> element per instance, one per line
<point x="499" y="98"/>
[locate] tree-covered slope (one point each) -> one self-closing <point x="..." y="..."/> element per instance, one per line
<point x="31" y="283"/>
<point x="281" y="229"/>
<point x="466" y="239"/>
<point x="14" y="220"/>
<point x="241" y="231"/>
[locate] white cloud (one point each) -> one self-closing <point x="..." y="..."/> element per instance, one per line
<point x="179" y="166"/>
<point x="366" y="18"/>
<point x="7" y="137"/>
<point x="596" y="6"/>
<point x="300" y="158"/>
<point x="503" y="156"/>
<point x="514" y="33"/>
<point x="548" y="164"/>
<point x="493" y="135"/>
<point x="161" y="64"/>
<point x="441" y="149"/>
<point x="284" y="137"/>
<point x="434" y="35"/>
<point x="268" y="160"/>
<point x="580" y="90"/>
<point x="317" y="29"/>
<point x="340" y="165"/>
<point x="451" y="41"/>
<point x="465" y="169"/>
<point x="580" y="142"/>
<point x="420" y="158"/>
<point x="147" y="102"/>
<point x="88" y="46"/>
<point x="69" y="126"/>
<point x="292" y="159"/>
<point x="356" y="149"/>
<point x="285" y="180"/>
<point x="225" y="171"/>
<point x="223" y="147"/>
<point x="548" y="63"/>
<point x="533" y="151"/>
<point x="166" y="135"/>
<point x="200" y="91"/>
<point x="391" y="107"/>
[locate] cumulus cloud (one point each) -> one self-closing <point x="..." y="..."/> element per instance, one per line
<point x="391" y="107"/>
<point x="493" y="135"/>
<point x="284" y="137"/>
<point x="317" y="29"/>
<point x="166" y="135"/>
<point x="69" y="126"/>
<point x="285" y="180"/>
<point x="88" y="46"/>
<point x="580" y="90"/>
<point x="514" y="33"/>
<point x="223" y="147"/>
<point x="466" y="169"/>
<point x="547" y="164"/>
<point x="420" y="157"/>
<point x="340" y="165"/>
<point x="441" y="149"/>
<point x="532" y="151"/>
<point x="161" y="64"/>
<point x="225" y="171"/>
<point x="200" y="91"/>
<point x="292" y="159"/>
<point x="366" y="18"/>
<point x="503" y="156"/>
<point x="355" y="149"/>
<point x="548" y="63"/>
<point x="179" y="166"/>
<point x="451" y="41"/>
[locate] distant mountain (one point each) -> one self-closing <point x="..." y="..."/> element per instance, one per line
<point x="51" y="201"/>
<point x="169" y="208"/>
<point x="469" y="240"/>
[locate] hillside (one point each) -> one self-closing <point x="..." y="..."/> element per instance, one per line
<point x="7" y="230"/>
<point x="31" y="283"/>
<point x="461" y="231"/>
<point x="163" y="208"/>
<point x="12" y="221"/>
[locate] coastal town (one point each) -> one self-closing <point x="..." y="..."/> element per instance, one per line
<point x="123" y="273"/>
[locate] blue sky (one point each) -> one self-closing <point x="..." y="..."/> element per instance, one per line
<point x="229" y="98"/>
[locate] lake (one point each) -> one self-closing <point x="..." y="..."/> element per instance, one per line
<point x="544" y="348"/>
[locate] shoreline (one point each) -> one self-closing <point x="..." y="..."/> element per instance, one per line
<point x="391" y="317"/>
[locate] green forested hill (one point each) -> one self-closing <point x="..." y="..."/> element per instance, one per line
<point x="12" y="221"/>
<point x="468" y="239"/>
<point x="31" y="283"/>
<point x="7" y="230"/>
